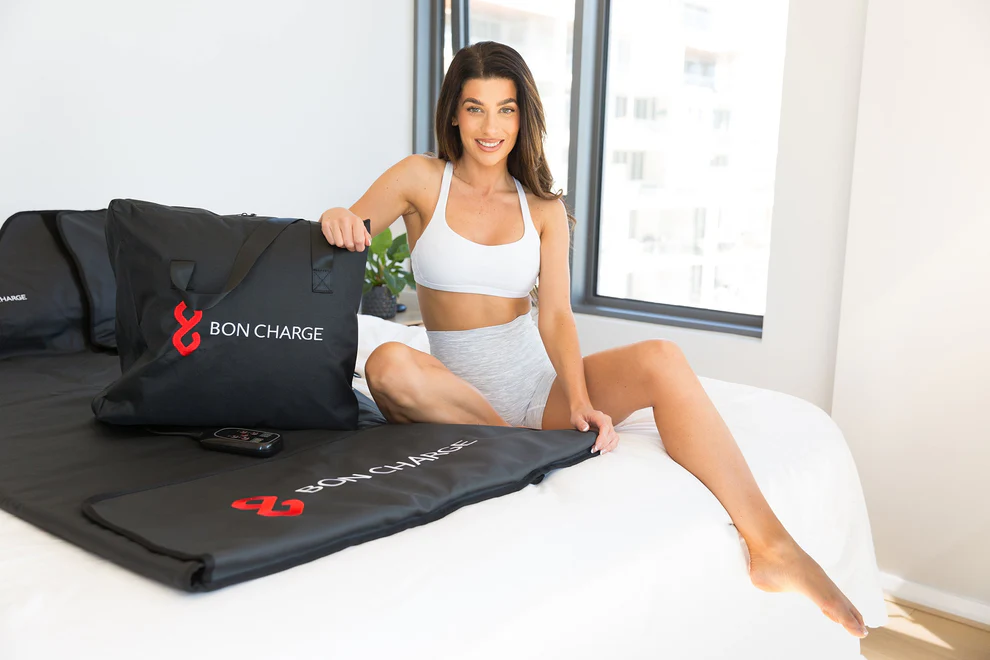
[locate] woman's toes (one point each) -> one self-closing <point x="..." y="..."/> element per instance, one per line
<point x="847" y="618"/>
<point x="859" y="628"/>
<point x="828" y="609"/>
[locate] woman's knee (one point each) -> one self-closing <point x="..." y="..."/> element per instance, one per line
<point x="392" y="369"/>
<point x="658" y="360"/>
<point x="660" y="349"/>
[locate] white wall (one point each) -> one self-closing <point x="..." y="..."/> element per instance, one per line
<point x="911" y="385"/>
<point x="814" y="165"/>
<point x="277" y="108"/>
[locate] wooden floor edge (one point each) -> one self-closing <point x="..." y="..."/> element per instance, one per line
<point x="945" y="615"/>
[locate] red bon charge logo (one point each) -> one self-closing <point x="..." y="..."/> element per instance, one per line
<point x="265" y="506"/>
<point x="185" y="325"/>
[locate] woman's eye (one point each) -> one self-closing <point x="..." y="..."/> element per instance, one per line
<point x="509" y="109"/>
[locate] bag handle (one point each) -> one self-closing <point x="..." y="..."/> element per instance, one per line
<point x="260" y="239"/>
<point x="321" y="255"/>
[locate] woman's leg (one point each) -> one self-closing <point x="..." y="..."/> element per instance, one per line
<point x="412" y="386"/>
<point x="656" y="374"/>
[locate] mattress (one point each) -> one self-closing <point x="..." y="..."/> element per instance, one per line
<point x="625" y="556"/>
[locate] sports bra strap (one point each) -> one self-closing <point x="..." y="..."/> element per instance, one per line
<point x="448" y="173"/>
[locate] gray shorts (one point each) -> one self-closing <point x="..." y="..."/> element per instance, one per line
<point x="507" y="363"/>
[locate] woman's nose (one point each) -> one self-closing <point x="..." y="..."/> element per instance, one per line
<point x="489" y="125"/>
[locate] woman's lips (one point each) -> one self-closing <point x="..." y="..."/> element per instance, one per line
<point x="489" y="149"/>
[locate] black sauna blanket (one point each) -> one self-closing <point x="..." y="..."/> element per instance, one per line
<point x="199" y="520"/>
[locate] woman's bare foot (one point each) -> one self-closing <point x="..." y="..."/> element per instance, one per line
<point x="786" y="567"/>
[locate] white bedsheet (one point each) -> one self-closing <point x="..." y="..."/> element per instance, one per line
<point x="623" y="556"/>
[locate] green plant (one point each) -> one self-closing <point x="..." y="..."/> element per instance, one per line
<point x="384" y="266"/>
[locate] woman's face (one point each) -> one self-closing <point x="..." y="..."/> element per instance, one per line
<point x="487" y="114"/>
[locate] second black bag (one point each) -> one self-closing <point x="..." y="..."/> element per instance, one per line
<point x="42" y="309"/>
<point x="230" y="320"/>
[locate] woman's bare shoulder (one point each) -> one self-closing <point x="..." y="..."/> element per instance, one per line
<point x="424" y="166"/>
<point x="422" y="175"/>
<point x="543" y="211"/>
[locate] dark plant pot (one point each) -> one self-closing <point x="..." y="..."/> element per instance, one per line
<point x="378" y="302"/>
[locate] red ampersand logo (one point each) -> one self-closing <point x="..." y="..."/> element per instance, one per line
<point x="265" y="506"/>
<point x="185" y="325"/>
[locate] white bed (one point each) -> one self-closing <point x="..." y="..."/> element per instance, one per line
<point x="623" y="556"/>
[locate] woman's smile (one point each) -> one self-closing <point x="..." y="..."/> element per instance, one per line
<point x="489" y="145"/>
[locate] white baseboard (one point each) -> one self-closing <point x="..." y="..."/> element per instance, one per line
<point x="935" y="599"/>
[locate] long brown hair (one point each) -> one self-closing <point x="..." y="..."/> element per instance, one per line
<point x="526" y="161"/>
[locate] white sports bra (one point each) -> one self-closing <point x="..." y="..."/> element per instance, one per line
<point x="445" y="260"/>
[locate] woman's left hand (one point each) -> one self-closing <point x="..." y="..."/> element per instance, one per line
<point x="585" y="416"/>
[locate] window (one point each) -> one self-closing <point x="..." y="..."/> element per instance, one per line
<point x="673" y="195"/>
<point x="696" y="17"/>
<point x="643" y="108"/>
<point x="699" y="69"/>
<point x="620" y="106"/>
<point x="543" y="34"/>
<point x="448" y="41"/>
<point x="486" y="29"/>
<point x="636" y="166"/>
<point x="698" y="230"/>
<point x="720" y="119"/>
<point x="648" y="108"/>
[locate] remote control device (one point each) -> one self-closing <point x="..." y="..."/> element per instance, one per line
<point x="244" y="441"/>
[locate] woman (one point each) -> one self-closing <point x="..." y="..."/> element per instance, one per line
<point x="490" y="362"/>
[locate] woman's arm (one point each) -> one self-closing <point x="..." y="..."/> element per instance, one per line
<point x="391" y="194"/>
<point x="388" y="197"/>
<point x="556" y="321"/>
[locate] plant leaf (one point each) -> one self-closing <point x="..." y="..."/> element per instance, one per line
<point x="371" y="276"/>
<point x="393" y="283"/>
<point x="397" y="246"/>
<point x="380" y="243"/>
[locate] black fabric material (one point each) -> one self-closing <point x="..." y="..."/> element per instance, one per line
<point x="42" y="306"/>
<point x="84" y="236"/>
<point x="368" y="412"/>
<point x="230" y="321"/>
<point x="57" y="461"/>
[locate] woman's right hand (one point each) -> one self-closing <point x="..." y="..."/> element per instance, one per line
<point x="344" y="229"/>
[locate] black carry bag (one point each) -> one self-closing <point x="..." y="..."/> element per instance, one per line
<point x="230" y="320"/>
<point x="42" y="308"/>
<point x="84" y="235"/>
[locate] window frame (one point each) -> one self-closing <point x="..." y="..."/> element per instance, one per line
<point x="585" y="160"/>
